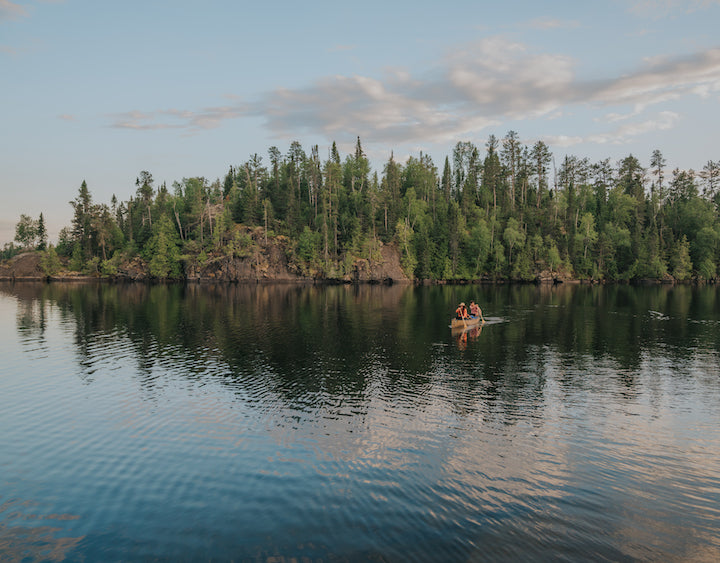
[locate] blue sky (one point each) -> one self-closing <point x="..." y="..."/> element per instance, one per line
<point x="99" y="91"/>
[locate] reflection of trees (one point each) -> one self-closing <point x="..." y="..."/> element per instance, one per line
<point x="33" y="537"/>
<point x="31" y="317"/>
<point x="301" y="342"/>
<point x="311" y="345"/>
<point x="586" y="338"/>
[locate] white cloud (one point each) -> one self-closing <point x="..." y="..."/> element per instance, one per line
<point x="623" y="134"/>
<point x="507" y="78"/>
<point x="666" y="80"/>
<point x="192" y="121"/>
<point x="563" y="141"/>
<point x="663" y="121"/>
<point x="11" y="10"/>
<point x="662" y="8"/>
<point x="553" y="23"/>
<point x="478" y="86"/>
<point x="341" y="48"/>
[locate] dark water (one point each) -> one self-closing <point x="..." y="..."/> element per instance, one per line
<point x="346" y="424"/>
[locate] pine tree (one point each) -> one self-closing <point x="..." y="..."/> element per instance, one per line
<point x="41" y="233"/>
<point x="541" y="157"/>
<point x="82" y="223"/>
<point x="162" y="251"/>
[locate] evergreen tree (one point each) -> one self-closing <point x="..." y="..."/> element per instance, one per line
<point x="541" y="158"/>
<point x="657" y="164"/>
<point x="145" y="193"/>
<point x="631" y="179"/>
<point x="50" y="261"/>
<point x="510" y="157"/>
<point x="391" y="189"/>
<point x="711" y="177"/>
<point x="681" y="263"/>
<point x="82" y="222"/>
<point x="42" y="235"/>
<point x="162" y="250"/>
<point x="500" y="215"/>
<point x="491" y="177"/>
<point x="447" y="180"/>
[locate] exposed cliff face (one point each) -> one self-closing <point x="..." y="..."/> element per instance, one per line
<point x="266" y="263"/>
<point x="25" y="265"/>
<point x="383" y="270"/>
<point x="271" y="264"/>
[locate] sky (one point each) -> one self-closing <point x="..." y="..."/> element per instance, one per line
<point x="99" y="91"/>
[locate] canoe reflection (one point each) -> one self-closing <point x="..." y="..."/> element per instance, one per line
<point x="462" y="335"/>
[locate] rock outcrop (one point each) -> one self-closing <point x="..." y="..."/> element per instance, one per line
<point x="271" y="264"/>
<point x="385" y="270"/>
<point x="266" y="262"/>
<point x="25" y="266"/>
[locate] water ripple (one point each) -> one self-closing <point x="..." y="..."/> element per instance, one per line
<point x="248" y="439"/>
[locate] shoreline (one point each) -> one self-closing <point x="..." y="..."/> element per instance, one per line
<point x="385" y="270"/>
<point x="335" y="281"/>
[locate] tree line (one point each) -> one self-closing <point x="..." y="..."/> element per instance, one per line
<point x="503" y="211"/>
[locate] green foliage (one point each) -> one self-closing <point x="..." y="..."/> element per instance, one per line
<point x="91" y="266"/>
<point x="76" y="261"/>
<point x="513" y="236"/>
<point x="41" y="233"/>
<point x="407" y="256"/>
<point x="491" y="212"/>
<point x="162" y="251"/>
<point x="241" y="245"/>
<point x="308" y="248"/>
<point x="498" y="259"/>
<point x="50" y="261"/>
<point x="553" y="255"/>
<point x="707" y="269"/>
<point x="522" y="269"/>
<point x="706" y="243"/>
<point x="65" y="244"/>
<point x="111" y="266"/>
<point x="681" y="263"/>
<point x="26" y="231"/>
<point x="651" y="267"/>
<point x="9" y="250"/>
<point x="478" y="247"/>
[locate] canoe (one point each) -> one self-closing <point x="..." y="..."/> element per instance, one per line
<point x="460" y="323"/>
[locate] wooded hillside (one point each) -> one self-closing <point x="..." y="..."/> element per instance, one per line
<point x="506" y="211"/>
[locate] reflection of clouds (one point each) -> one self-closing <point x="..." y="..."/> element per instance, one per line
<point x="663" y="474"/>
<point x="526" y="441"/>
<point x="11" y="10"/>
<point x="32" y="542"/>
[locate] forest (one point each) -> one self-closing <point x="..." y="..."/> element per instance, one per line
<point x="506" y="211"/>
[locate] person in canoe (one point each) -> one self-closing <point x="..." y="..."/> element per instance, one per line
<point x="476" y="311"/>
<point x="461" y="312"/>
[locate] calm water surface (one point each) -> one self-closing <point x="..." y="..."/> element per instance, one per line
<point x="279" y="423"/>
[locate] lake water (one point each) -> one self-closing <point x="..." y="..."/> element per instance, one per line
<point x="287" y="423"/>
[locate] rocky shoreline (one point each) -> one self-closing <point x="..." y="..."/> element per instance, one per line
<point x="269" y="266"/>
